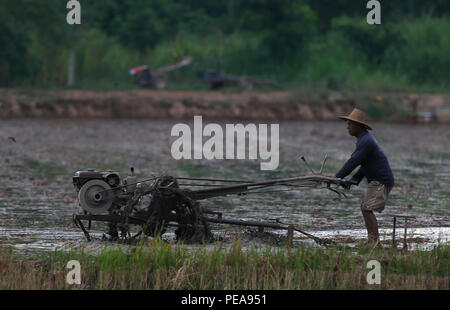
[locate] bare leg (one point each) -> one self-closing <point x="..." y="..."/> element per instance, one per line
<point x="371" y="225"/>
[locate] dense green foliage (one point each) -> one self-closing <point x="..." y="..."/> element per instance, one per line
<point x="326" y="43"/>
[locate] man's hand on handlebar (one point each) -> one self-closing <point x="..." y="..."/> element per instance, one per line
<point x="346" y="184"/>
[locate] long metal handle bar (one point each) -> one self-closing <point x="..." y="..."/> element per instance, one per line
<point x="234" y="189"/>
<point x="214" y="180"/>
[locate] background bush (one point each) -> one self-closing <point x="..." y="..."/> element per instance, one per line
<point x="297" y="42"/>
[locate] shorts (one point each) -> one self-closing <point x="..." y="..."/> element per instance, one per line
<point x="375" y="197"/>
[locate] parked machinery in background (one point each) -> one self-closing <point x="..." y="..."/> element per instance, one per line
<point x="217" y="80"/>
<point x="158" y="79"/>
<point x="145" y="77"/>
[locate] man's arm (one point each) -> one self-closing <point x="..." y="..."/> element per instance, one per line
<point x="357" y="158"/>
<point x="355" y="180"/>
<point x="358" y="176"/>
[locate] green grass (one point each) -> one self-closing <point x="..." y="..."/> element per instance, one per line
<point x="39" y="169"/>
<point x="408" y="174"/>
<point x="160" y="265"/>
<point x="195" y="170"/>
<point x="445" y="194"/>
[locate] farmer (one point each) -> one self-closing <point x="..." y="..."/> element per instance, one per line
<point x="373" y="165"/>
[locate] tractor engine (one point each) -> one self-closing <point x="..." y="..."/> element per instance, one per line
<point x="152" y="206"/>
<point x="98" y="191"/>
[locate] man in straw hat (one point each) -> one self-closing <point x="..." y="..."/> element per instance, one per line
<point x="373" y="165"/>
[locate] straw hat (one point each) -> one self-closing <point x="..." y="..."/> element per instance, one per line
<point x="356" y="116"/>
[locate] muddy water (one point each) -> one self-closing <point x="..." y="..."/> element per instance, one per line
<point x="37" y="197"/>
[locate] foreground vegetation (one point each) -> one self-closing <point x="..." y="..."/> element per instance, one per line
<point x="161" y="265"/>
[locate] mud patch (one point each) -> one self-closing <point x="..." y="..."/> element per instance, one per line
<point x="37" y="198"/>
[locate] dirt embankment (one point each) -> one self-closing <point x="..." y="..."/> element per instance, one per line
<point x="184" y="104"/>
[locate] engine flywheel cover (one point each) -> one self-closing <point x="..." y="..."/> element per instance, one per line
<point x="95" y="196"/>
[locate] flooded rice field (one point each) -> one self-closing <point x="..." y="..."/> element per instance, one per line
<point x="38" y="159"/>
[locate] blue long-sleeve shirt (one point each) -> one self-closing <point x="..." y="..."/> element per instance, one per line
<point x="371" y="158"/>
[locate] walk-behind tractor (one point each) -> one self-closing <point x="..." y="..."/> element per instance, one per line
<point x="217" y="80"/>
<point x="145" y="77"/>
<point x="152" y="205"/>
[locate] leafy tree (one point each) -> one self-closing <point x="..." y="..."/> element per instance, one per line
<point x="391" y="11"/>
<point x="372" y="41"/>
<point x="138" y="24"/>
<point x="20" y="22"/>
<point x="285" y="26"/>
<point x="12" y="53"/>
<point x="423" y="52"/>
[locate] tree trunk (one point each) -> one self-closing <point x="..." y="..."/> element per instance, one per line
<point x="71" y="69"/>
